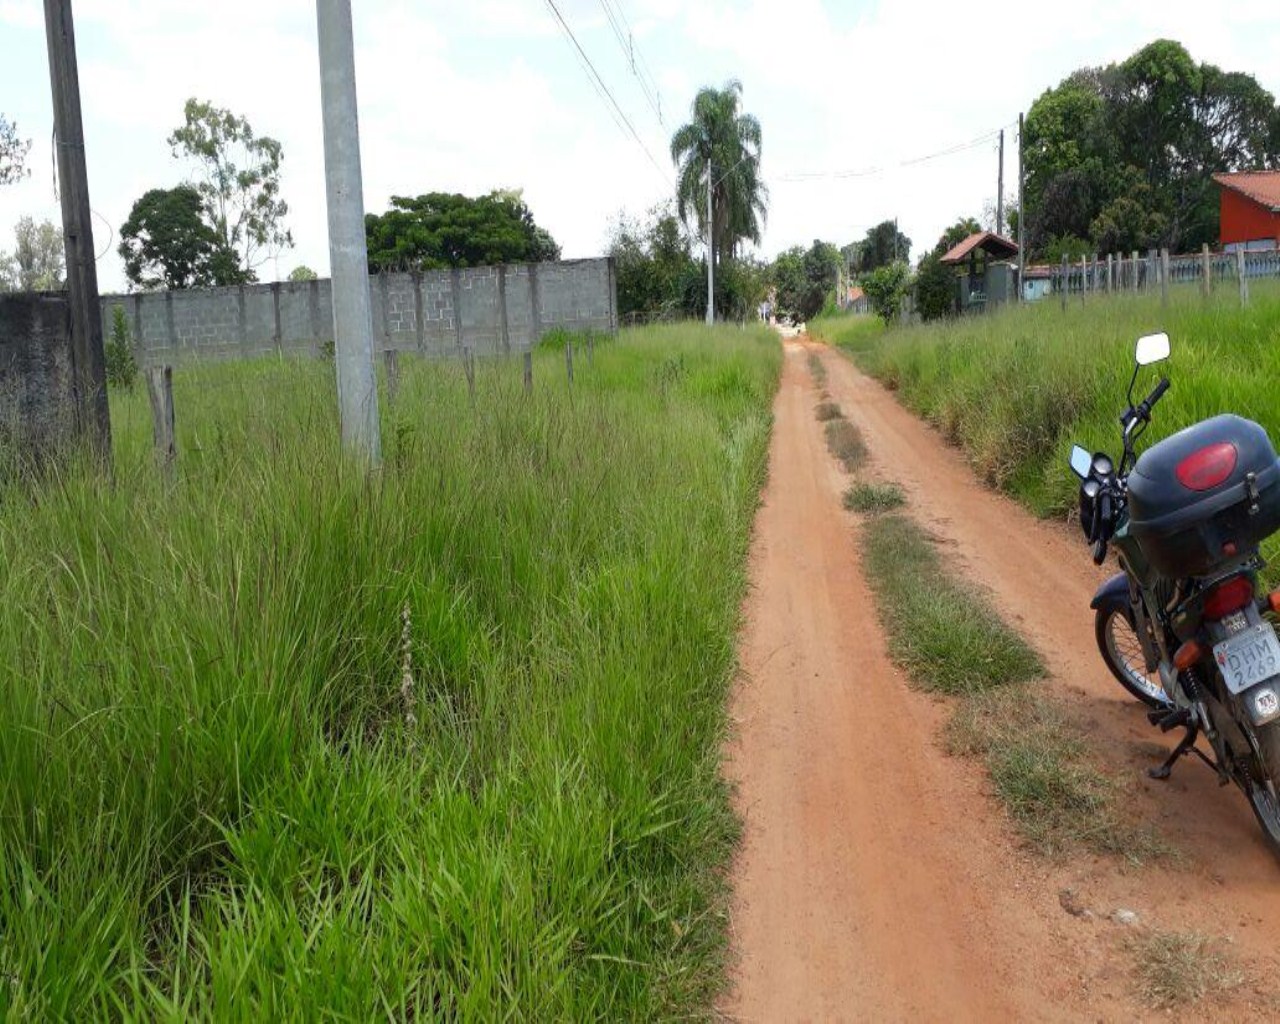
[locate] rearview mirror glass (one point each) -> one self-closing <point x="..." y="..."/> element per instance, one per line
<point x="1152" y="349"/>
<point x="1081" y="461"/>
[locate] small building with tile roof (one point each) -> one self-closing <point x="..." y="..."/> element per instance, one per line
<point x="1250" y="210"/>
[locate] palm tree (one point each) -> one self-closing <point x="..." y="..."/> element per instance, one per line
<point x="719" y="131"/>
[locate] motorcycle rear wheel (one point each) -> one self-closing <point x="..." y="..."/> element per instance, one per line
<point x="1122" y="651"/>
<point x="1264" y="794"/>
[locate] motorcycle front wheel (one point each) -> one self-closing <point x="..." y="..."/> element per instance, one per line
<point x="1263" y="788"/>
<point x="1122" y="651"/>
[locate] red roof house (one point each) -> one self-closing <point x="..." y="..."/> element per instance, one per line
<point x="1250" y="210"/>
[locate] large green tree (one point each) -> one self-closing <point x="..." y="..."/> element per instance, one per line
<point x="440" y="230"/>
<point x="39" y="256"/>
<point x="168" y="243"/>
<point x="719" y="132"/>
<point x="1123" y="156"/>
<point x="806" y="278"/>
<point x="13" y="152"/>
<point x="238" y="179"/>
<point x="884" y="244"/>
<point x="654" y="264"/>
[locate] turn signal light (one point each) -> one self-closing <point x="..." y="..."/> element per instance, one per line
<point x="1205" y="469"/>
<point x="1187" y="655"/>
<point x="1228" y="597"/>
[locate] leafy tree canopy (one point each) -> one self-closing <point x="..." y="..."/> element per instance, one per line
<point x="805" y="279"/>
<point x="168" y="243"/>
<point x="239" y="181"/>
<point x="440" y="230"/>
<point x="653" y="263"/>
<point x="39" y="258"/>
<point x="1123" y="156"/>
<point x="957" y="233"/>
<point x="935" y="287"/>
<point x="302" y="273"/>
<point x="886" y="287"/>
<point x="883" y="244"/>
<point x="13" y="152"/>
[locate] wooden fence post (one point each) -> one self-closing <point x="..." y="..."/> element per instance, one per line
<point x="1065" y="282"/>
<point x="1244" y="281"/>
<point x="568" y="357"/>
<point x="1164" y="277"/>
<point x="391" y="359"/>
<point x="1206" y="271"/>
<point x="160" y="389"/>
<point x="528" y="373"/>
<point x="1084" y="277"/>
<point x="469" y="368"/>
<point x="1111" y="273"/>
<point x="1135" y="270"/>
<point x="591" y="350"/>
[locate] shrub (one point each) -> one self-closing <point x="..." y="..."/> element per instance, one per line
<point x="122" y="365"/>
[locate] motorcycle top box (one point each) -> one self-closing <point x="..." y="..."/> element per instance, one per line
<point x="1205" y="497"/>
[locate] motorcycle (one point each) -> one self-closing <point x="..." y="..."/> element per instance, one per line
<point x="1183" y="626"/>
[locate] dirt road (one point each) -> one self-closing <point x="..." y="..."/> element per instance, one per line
<point x="878" y="880"/>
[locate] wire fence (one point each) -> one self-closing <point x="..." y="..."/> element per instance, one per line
<point x="1134" y="272"/>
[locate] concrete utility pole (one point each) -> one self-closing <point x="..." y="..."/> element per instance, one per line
<point x="1000" y="189"/>
<point x="348" y="257"/>
<point x="1022" y="214"/>
<point x="711" y="252"/>
<point x="89" y="372"/>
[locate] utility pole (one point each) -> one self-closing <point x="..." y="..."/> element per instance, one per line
<point x="711" y="252"/>
<point x="348" y="257"/>
<point x="1000" y="189"/>
<point x="89" y="372"/>
<point x="1022" y="213"/>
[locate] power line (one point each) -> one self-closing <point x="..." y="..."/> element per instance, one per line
<point x="867" y="172"/>
<point x="602" y="87"/>
<point x="627" y="43"/>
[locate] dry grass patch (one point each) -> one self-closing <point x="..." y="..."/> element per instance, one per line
<point x="1178" y="968"/>
<point x="828" y="411"/>
<point x="817" y="369"/>
<point x="844" y="441"/>
<point x="874" y="499"/>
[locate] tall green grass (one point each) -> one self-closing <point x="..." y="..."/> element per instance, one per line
<point x="1017" y="387"/>
<point x="221" y="795"/>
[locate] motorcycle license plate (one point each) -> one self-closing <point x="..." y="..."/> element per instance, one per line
<point x="1248" y="658"/>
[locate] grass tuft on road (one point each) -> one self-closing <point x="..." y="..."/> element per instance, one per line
<point x="817" y="369"/>
<point x="1177" y="969"/>
<point x="1043" y="773"/>
<point x="944" y="634"/>
<point x="828" y="411"/>
<point x="844" y="441"/>
<point x="874" y="499"/>
<point x="284" y="739"/>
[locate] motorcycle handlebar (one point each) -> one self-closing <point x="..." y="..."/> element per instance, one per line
<point x="1149" y="403"/>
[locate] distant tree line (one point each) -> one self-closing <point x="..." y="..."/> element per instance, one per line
<point x="1122" y="157"/>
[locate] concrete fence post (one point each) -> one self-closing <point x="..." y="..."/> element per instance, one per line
<point x="1244" y="280"/>
<point x="1084" y="277"/>
<point x="1111" y="269"/>
<point x="1136" y="283"/>
<point x="1206" y="271"/>
<point x="1065" y="281"/>
<point x="469" y="368"/>
<point x="1164" y="277"/>
<point x="391" y="359"/>
<point x="568" y="358"/>
<point x="160" y="391"/>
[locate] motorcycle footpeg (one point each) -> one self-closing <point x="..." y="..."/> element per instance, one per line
<point x="1170" y="718"/>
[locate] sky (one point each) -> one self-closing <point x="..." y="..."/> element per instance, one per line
<point x="472" y="95"/>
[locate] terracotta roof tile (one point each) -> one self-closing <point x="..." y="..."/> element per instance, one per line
<point x="1262" y="187"/>
<point x="999" y="247"/>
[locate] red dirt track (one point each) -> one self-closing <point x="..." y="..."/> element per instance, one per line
<point x="878" y="879"/>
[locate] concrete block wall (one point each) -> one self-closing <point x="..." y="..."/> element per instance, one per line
<point x="491" y="310"/>
<point x="37" y="401"/>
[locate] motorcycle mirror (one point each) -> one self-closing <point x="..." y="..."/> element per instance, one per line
<point x="1152" y="348"/>
<point x="1081" y="461"/>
